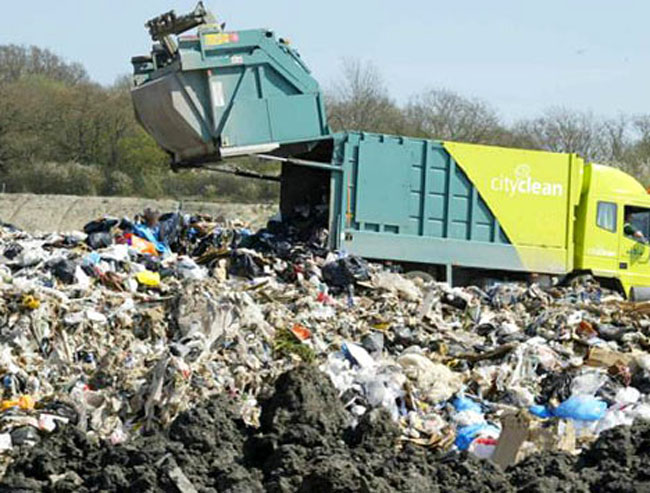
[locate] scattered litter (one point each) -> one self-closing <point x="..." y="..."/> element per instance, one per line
<point x="119" y="336"/>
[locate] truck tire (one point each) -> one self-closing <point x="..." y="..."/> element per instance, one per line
<point x="639" y="294"/>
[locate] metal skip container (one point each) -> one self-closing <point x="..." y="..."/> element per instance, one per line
<point x="217" y="94"/>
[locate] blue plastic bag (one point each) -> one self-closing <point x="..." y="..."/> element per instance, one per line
<point x="541" y="411"/>
<point x="581" y="407"/>
<point x="151" y="235"/>
<point x="467" y="434"/>
<point x="462" y="403"/>
<point x="93" y="258"/>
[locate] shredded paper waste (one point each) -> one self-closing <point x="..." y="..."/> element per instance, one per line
<point x="178" y="353"/>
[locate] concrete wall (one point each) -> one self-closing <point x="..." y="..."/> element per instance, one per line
<point x="50" y="213"/>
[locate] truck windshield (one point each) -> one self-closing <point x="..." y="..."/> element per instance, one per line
<point x="637" y="223"/>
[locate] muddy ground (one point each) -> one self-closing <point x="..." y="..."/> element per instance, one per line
<point x="305" y="444"/>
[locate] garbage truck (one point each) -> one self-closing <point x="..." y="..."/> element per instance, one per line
<point x="456" y="211"/>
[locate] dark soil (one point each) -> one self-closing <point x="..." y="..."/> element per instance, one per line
<point x="305" y="444"/>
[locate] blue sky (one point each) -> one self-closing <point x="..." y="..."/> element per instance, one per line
<point x="519" y="55"/>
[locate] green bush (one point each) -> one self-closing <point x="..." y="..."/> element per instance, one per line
<point x="218" y="187"/>
<point x="55" y="178"/>
<point x="119" y="183"/>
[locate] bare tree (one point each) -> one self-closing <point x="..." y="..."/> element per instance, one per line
<point x="562" y="130"/>
<point x="443" y="114"/>
<point x="635" y="157"/>
<point x="614" y="140"/>
<point x="17" y="62"/>
<point x="360" y="100"/>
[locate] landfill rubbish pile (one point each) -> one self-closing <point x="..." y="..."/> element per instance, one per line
<point x="178" y="353"/>
<point x="305" y="444"/>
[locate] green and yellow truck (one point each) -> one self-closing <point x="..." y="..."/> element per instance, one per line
<point x="460" y="211"/>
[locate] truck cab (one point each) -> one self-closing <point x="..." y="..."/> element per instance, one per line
<point x="613" y="228"/>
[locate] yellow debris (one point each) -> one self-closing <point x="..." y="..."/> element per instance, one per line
<point x="148" y="278"/>
<point x="30" y="302"/>
<point x="24" y="402"/>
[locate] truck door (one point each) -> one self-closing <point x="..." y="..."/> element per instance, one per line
<point x="634" y="250"/>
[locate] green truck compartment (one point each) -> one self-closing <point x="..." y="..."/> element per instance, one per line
<point x="447" y="204"/>
<point x="220" y="94"/>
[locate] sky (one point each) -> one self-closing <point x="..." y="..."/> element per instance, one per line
<point x="520" y="56"/>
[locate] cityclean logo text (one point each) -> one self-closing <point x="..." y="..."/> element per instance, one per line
<point x="524" y="184"/>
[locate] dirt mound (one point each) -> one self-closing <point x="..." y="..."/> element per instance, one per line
<point x="305" y="443"/>
<point x="615" y="462"/>
<point x="205" y="443"/>
<point x="551" y="472"/>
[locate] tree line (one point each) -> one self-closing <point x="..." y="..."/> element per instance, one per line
<point x="62" y="133"/>
<point x="361" y="100"/>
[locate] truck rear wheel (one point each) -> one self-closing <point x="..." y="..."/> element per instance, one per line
<point x="639" y="294"/>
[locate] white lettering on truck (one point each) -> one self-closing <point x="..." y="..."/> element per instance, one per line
<point x="522" y="183"/>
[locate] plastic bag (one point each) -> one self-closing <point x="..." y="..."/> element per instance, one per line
<point x="357" y="355"/>
<point x="614" y="418"/>
<point x="81" y="278"/>
<point x="169" y="228"/>
<point x="188" y="269"/>
<point x="540" y="411"/>
<point x="12" y="251"/>
<point x="140" y="244"/>
<point x="627" y="396"/>
<point x="244" y="265"/>
<point x="436" y="381"/>
<point x="394" y="282"/>
<point x="373" y="342"/>
<point x="642" y="412"/>
<point x="345" y="271"/>
<point x="383" y="390"/>
<point x="581" y="407"/>
<point x="150" y="234"/>
<point x="467" y="434"/>
<point x="100" y="225"/>
<point x="462" y="403"/>
<point x="588" y="383"/>
<point x="64" y="270"/>
<point x="99" y="240"/>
